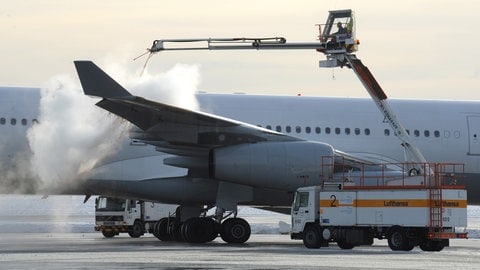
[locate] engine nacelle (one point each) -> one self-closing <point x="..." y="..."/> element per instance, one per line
<point x="277" y="165"/>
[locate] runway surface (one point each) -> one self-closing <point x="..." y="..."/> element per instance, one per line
<point x="92" y="251"/>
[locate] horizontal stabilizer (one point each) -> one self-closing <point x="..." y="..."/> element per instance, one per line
<point x="95" y="82"/>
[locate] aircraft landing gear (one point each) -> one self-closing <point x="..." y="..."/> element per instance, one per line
<point x="203" y="229"/>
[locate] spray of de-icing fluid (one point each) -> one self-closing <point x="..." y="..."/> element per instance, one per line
<point x="73" y="135"/>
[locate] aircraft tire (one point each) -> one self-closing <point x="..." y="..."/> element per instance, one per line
<point x="161" y="230"/>
<point x="198" y="230"/>
<point x="235" y="230"/>
<point x="175" y="230"/>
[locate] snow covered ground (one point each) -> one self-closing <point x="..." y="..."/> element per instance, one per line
<point x="68" y="214"/>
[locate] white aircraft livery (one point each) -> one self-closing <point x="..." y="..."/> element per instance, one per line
<point x="247" y="150"/>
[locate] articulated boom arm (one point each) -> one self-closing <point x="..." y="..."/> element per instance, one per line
<point x="380" y="98"/>
<point x="273" y="43"/>
<point x="336" y="40"/>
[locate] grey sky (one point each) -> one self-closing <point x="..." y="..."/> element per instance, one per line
<point x="416" y="49"/>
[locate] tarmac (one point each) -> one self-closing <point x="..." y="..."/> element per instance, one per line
<point x="262" y="251"/>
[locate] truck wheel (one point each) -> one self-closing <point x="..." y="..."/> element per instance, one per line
<point x="108" y="234"/>
<point x="344" y="245"/>
<point x="397" y="239"/>
<point x="235" y="230"/>
<point x="137" y="229"/>
<point x="431" y="245"/>
<point x="311" y="237"/>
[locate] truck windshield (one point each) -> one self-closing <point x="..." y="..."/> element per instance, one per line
<point x="301" y="200"/>
<point x="110" y="204"/>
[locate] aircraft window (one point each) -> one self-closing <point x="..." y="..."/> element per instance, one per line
<point x="367" y="131"/>
<point x="456" y="134"/>
<point x="347" y="131"/>
<point x="279" y="129"/>
<point x="13" y="121"/>
<point x="2" y="121"/>
<point x="288" y="129"/>
<point x="269" y="127"/>
<point x="357" y="131"/>
<point x="24" y="122"/>
<point x="327" y="130"/>
<point x="386" y="132"/>
<point x="416" y="133"/>
<point x="337" y="131"/>
<point x="308" y="130"/>
<point x="436" y="133"/>
<point x="426" y="133"/>
<point x="446" y="134"/>
<point x="318" y="130"/>
<point x="298" y="129"/>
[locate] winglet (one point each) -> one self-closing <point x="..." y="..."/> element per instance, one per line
<point x="96" y="82"/>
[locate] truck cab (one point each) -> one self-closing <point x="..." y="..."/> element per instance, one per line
<point x="115" y="215"/>
<point x="302" y="210"/>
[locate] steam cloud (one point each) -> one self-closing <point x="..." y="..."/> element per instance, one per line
<point x="73" y="135"/>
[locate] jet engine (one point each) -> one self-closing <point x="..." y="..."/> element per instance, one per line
<point x="276" y="165"/>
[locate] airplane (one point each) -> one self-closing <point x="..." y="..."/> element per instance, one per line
<point x="241" y="149"/>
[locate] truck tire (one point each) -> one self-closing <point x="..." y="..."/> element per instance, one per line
<point x="344" y="245"/>
<point x="431" y="245"/>
<point x="108" y="234"/>
<point x="137" y="229"/>
<point x="397" y="239"/>
<point x="312" y="237"/>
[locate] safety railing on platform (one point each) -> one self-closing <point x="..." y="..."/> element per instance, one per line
<point x="357" y="175"/>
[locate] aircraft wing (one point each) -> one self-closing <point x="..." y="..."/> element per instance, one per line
<point x="167" y="126"/>
<point x="172" y="129"/>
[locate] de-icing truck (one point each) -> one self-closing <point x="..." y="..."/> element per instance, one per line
<point x="116" y="215"/>
<point x="421" y="210"/>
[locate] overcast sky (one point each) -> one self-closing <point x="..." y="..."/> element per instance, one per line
<point x="416" y="49"/>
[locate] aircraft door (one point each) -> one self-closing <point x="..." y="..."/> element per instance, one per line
<point x="473" y="135"/>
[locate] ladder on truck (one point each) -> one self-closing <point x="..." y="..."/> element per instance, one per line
<point x="439" y="182"/>
<point x="336" y="40"/>
<point x="435" y="204"/>
<point x="435" y="208"/>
